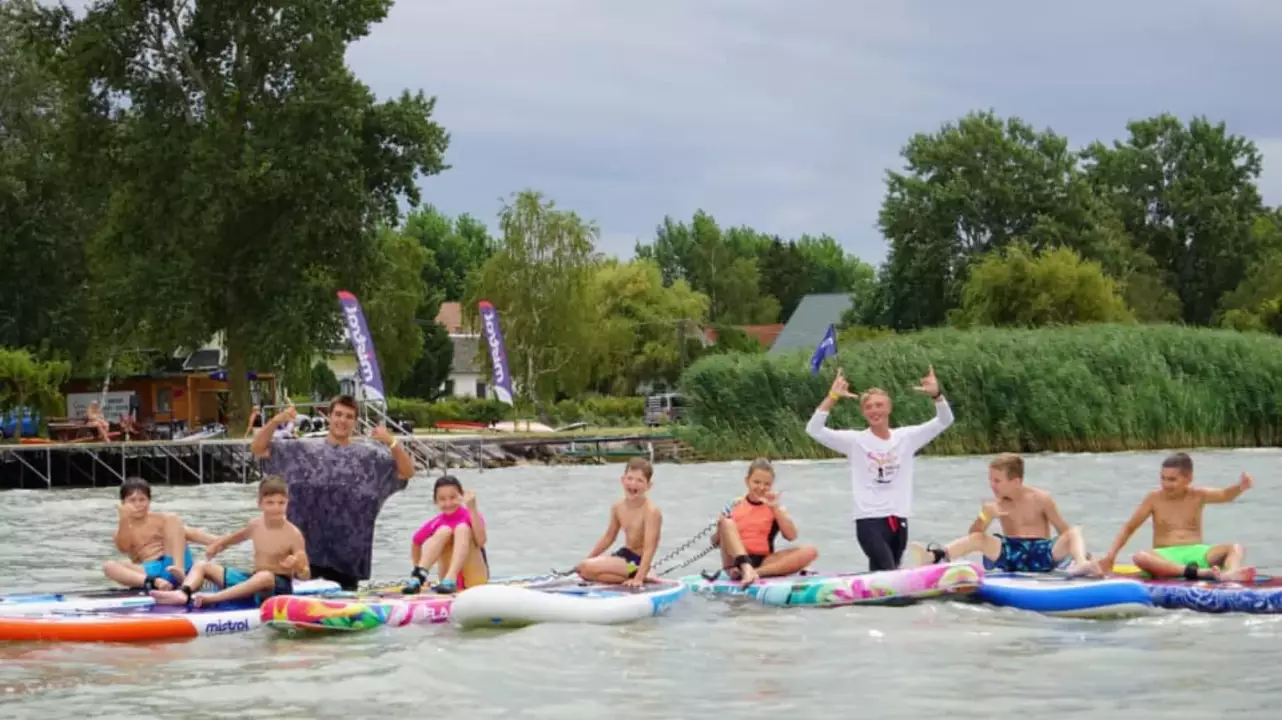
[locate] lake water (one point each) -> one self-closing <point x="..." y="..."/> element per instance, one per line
<point x="710" y="656"/>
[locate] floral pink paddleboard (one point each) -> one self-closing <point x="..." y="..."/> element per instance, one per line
<point x="830" y="590"/>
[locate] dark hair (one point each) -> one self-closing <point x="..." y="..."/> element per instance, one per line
<point x="641" y="464"/>
<point x="345" y="400"/>
<point x="446" y="481"/>
<point x="1179" y="461"/>
<point x="134" y="485"/>
<point x="272" y="485"/>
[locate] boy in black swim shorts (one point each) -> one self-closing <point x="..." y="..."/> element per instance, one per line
<point x="640" y="520"/>
<point x="1024" y="545"/>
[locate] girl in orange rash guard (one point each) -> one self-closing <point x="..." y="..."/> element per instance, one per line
<point x="747" y="529"/>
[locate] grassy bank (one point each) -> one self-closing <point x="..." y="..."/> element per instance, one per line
<point x="1086" y="388"/>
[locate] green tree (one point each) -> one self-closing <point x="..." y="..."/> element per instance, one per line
<point x="1017" y="287"/>
<point x="427" y="377"/>
<point x="247" y="168"/>
<point x="973" y="187"/>
<point x="1187" y="196"/>
<point x="458" y="246"/>
<point x="1254" y="303"/>
<point x="644" y="331"/>
<point x="722" y="266"/>
<point x="323" y="382"/>
<point x="26" y="382"/>
<point x="395" y="302"/>
<point x="44" y="215"/>
<point x="539" y="280"/>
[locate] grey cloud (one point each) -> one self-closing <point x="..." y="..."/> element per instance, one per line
<point x="786" y="115"/>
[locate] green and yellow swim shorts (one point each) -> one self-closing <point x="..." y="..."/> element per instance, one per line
<point x="1185" y="554"/>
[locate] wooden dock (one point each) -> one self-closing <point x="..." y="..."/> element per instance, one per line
<point x="197" y="462"/>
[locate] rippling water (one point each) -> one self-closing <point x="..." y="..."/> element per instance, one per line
<point x="709" y="656"/>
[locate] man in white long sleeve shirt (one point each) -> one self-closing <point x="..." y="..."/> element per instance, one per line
<point x="881" y="465"/>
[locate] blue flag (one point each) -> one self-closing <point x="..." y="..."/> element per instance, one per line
<point x="826" y="347"/>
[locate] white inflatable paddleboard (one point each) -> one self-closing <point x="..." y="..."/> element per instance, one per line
<point x="514" y="606"/>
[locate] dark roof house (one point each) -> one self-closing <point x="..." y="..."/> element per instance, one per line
<point x="810" y="320"/>
<point x="467" y="354"/>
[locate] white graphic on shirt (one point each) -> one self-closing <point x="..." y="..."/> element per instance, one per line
<point x="883" y="466"/>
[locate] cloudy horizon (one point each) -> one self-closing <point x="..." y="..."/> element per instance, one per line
<point x="786" y="117"/>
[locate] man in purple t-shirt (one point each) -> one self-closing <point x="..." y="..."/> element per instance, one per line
<point x="336" y="488"/>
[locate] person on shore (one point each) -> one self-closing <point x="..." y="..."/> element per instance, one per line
<point x="280" y="555"/>
<point x="747" y="529"/>
<point x="454" y="540"/>
<point x="1027" y="515"/>
<point x="882" y="463"/>
<point x="95" y="419"/>
<point x="152" y="540"/>
<point x="337" y="488"/>
<point x="641" y="522"/>
<point x="1176" y="508"/>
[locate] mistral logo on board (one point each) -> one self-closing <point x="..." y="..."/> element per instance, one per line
<point x="498" y="353"/>
<point x="226" y="626"/>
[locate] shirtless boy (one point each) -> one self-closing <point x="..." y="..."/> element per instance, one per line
<point x="279" y="557"/>
<point x="1026" y="514"/>
<point x="746" y="532"/>
<point x="1176" y="508"/>
<point x="151" y="540"/>
<point x="640" y="521"/>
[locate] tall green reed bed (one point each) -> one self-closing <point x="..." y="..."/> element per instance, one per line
<point x="1083" y="388"/>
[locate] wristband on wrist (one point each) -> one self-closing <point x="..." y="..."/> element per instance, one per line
<point x="833" y="396"/>
<point x="982" y="516"/>
<point x="392" y="444"/>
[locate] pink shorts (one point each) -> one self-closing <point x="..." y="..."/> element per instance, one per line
<point x="462" y="516"/>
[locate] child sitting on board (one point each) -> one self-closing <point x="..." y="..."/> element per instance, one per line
<point x="1026" y="515"/>
<point x="152" y="540"/>
<point x="279" y="557"/>
<point x="454" y="540"/>
<point x="641" y="523"/>
<point x="1176" y="508"/>
<point x="747" y="529"/>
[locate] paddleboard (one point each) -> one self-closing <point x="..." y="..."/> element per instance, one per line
<point x="367" y="609"/>
<point x="516" y="606"/>
<point x="838" y="589"/>
<point x="119" y="599"/>
<point x="1261" y="596"/>
<point x="1058" y="594"/>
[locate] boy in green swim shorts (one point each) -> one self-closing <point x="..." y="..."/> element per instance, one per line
<point x="1178" y="550"/>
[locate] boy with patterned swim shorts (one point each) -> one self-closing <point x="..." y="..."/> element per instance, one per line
<point x="1026" y="514"/>
<point x="1176" y="507"/>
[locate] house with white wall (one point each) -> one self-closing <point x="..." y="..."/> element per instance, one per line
<point x="468" y="376"/>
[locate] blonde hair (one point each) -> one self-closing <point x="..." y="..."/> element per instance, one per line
<point x="760" y="464"/>
<point x="1009" y="463"/>
<point x="872" y="391"/>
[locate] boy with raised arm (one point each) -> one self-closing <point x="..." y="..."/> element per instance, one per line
<point x="1026" y="515"/>
<point x="641" y="523"/>
<point x="1176" y="508"/>
<point x="279" y="557"/>
<point x="882" y="463"/>
<point x="155" y="542"/>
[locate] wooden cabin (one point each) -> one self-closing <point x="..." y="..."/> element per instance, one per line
<point x="165" y="404"/>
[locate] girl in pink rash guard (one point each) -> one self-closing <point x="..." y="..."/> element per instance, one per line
<point x="454" y="540"/>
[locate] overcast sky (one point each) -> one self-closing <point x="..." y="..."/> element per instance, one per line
<point x="784" y="115"/>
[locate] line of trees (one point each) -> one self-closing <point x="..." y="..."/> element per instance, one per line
<point x="995" y="223"/>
